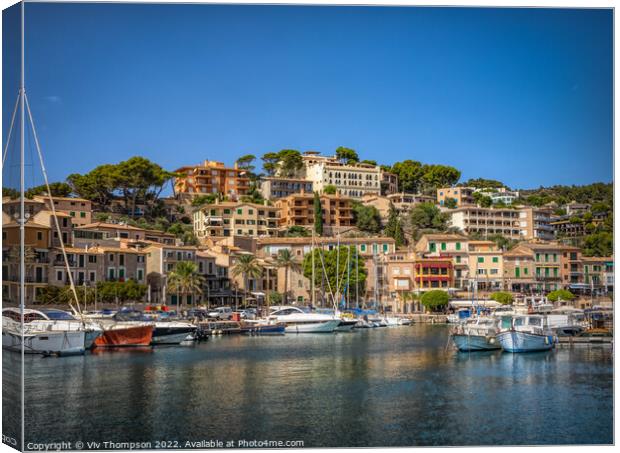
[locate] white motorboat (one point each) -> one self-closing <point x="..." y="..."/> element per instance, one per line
<point x="42" y="335"/>
<point x="71" y="322"/>
<point x="526" y="333"/>
<point x="298" y="321"/>
<point x="476" y="335"/>
<point x="172" y="332"/>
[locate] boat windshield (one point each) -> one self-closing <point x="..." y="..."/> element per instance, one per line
<point x="534" y="322"/>
<point x="59" y="315"/>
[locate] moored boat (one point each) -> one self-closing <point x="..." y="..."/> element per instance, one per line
<point x="298" y="321"/>
<point x="476" y="335"/>
<point x="125" y="334"/>
<point x="527" y="333"/>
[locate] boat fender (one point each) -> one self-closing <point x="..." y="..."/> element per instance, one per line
<point x="491" y="340"/>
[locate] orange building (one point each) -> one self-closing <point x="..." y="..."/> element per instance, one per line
<point x="298" y="209"/>
<point x="212" y="177"/>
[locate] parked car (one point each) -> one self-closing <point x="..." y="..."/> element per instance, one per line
<point x="221" y="313"/>
<point x="248" y="313"/>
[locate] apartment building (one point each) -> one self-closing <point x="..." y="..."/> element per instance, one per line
<point x="597" y="272"/>
<point x="389" y="183"/>
<point x="211" y="177"/>
<point x="121" y="231"/>
<point x="448" y="246"/>
<point x="80" y="210"/>
<point x="226" y="219"/>
<point x="298" y="210"/>
<point x="462" y="195"/>
<point x="563" y="227"/>
<point x="519" y="270"/>
<point x="274" y="187"/>
<point x="535" y="223"/>
<point x="486" y="266"/>
<point x="500" y="195"/>
<point x="523" y="223"/>
<point x="161" y="259"/>
<point x="352" y="180"/>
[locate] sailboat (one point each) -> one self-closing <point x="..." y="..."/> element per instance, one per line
<point x="32" y="331"/>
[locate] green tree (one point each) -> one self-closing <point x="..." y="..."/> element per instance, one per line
<point x="185" y="280"/>
<point x="436" y="176"/>
<point x="318" y="215"/>
<point x="246" y="162"/>
<point x="254" y="195"/>
<point x="98" y="185"/>
<point x="286" y="163"/>
<point x="286" y="259"/>
<point x="435" y="300"/>
<point x="58" y="189"/>
<point x="482" y="200"/>
<point x="503" y="297"/>
<point x="393" y="227"/>
<point x="483" y="183"/>
<point x="297" y="231"/>
<point x="336" y="268"/>
<point x="366" y="218"/>
<point x="560" y="294"/>
<point x="248" y="267"/>
<point x="598" y="244"/>
<point x="330" y="189"/>
<point x="427" y="216"/>
<point x="10" y="192"/>
<point x="347" y="155"/>
<point x="450" y="203"/>
<point x="201" y="200"/>
<point x="369" y="162"/>
<point x="275" y="298"/>
<point x="120" y="292"/>
<point x="410" y="173"/>
<point x="137" y="178"/>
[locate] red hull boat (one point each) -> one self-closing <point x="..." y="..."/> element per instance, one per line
<point x="125" y="336"/>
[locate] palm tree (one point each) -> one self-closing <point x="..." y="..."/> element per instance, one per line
<point x="185" y="279"/>
<point x="286" y="260"/>
<point x="248" y="266"/>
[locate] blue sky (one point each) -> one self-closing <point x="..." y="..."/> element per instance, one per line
<point x="519" y="95"/>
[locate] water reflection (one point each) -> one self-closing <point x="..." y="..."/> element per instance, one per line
<point x="371" y="388"/>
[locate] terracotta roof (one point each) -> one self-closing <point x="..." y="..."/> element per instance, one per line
<point x="110" y="226"/>
<point x="175" y="247"/>
<point x="322" y="240"/>
<point x="30" y="224"/>
<point x="518" y="251"/>
<point x="443" y="236"/>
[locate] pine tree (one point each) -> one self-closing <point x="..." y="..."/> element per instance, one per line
<point x="394" y="228"/>
<point x="318" y="215"/>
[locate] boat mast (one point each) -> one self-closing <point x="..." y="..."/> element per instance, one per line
<point x="313" y="297"/>
<point x="22" y="222"/>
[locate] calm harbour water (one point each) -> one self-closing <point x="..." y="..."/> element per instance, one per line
<point x="379" y="387"/>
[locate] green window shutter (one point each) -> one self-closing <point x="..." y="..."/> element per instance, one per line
<point x="555" y="257"/>
<point x="443" y="246"/>
<point x="481" y="259"/>
<point x="458" y="259"/>
<point x="538" y="257"/>
<point x="538" y="271"/>
<point x="555" y="272"/>
<point x="226" y="211"/>
<point x="525" y="271"/>
<point x="363" y="247"/>
<point x="458" y="246"/>
<point x="546" y="272"/>
<point x="546" y="257"/>
<point x="239" y="211"/>
<point x="385" y="248"/>
<point x="432" y="247"/>
<point x="517" y="272"/>
<point x="374" y="248"/>
<point x="495" y="259"/>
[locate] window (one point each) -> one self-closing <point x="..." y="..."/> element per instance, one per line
<point x="496" y="259"/>
<point x="250" y="211"/>
<point x="494" y="272"/>
<point x="92" y="258"/>
<point x="111" y="273"/>
<point x="481" y="259"/>
<point x="538" y="257"/>
<point x="140" y="274"/>
<point x="82" y="214"/>
<point x="458" y="246"/>
<point x="92" y="277"/>
<point x="59" y="275"/>
<point x="458" y="259"/>
<point x="111" y="257"/>
<point x="4" y="235"/>
<point x="555" y="257"/>
<point x="443" y="246"/>
<point x="362" y="247"/>
<point x="239" y="211"/>
<point x="432" y="247"/>
<point x="226" y="211"/>
<point x="525" y="271"/>
<point x="72" y="213"/>
<point x="385" y="248"/>
<point x="39" y="236"/>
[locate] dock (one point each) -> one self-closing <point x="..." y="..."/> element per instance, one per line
<point x="567" y="342"/>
